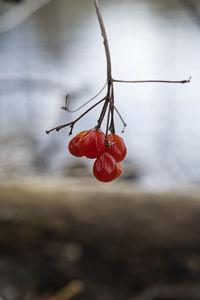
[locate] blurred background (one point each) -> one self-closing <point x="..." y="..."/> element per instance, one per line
<point x="51" y="48"/>
<point x="63" y="234"/>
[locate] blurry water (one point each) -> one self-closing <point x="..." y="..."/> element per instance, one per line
<point x="59" y="49"/>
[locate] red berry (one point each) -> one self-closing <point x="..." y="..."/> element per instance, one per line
<point x="117" y="147"/>
<point x="73" y="145"/>
<point x="105" y="168"/>
<point x="119" y="170"/>
<point x="92" y="144"/>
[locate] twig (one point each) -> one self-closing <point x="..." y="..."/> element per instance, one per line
<point x="112" y="125"/>
<point x="72" y="123"/>
<point x="103" y="111"/>
<point x="105" y="41"/>
<point x="66" y="107"/>
<point x="110" y="121"/>
<point x="151" y="81"/>
<point x="120" y="116"/>
<point x="109" y="98"/>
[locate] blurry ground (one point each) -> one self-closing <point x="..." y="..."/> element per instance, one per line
<point x="83" y="240"/>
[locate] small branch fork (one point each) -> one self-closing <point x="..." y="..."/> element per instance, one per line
<point x="108" y="99"/>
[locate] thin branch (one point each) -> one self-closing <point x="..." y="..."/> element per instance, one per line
<point x="150" y="81"/>
<point x="66" y="107"/>
<point x="72" y="123"/>
<point x="103" y="111"/>
<point x="108" y="119"/>
<point x="120" y="116"/>
<point x="105" y="41"/>
<point x="109" y="98"/>
<point x="112" y="125"/>
<point x="124" y="124"/>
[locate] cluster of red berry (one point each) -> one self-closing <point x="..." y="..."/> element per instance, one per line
<point x="108" y="151"/>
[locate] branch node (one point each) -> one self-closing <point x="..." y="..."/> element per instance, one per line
<point x="71" y="128"/>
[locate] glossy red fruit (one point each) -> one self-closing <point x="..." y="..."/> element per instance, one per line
<point x="73" y="145"/>
<point x="119" y="170"/>
<point x="92" y="144"/>
<point x="105" y="168"/>
<point x="117" y="147"/>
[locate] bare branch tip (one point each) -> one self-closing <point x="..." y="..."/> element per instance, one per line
<point x="187" y="80"/>
<point x="71" y="129"/>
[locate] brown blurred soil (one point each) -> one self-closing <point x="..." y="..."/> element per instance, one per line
<point x="78" y="239"/>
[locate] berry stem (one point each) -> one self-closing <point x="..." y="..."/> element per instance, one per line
<point x="72" y="123"/>
<point x="108" y="119"/>
<point x="112" y="125"/>
<point x="103" y="112"/>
